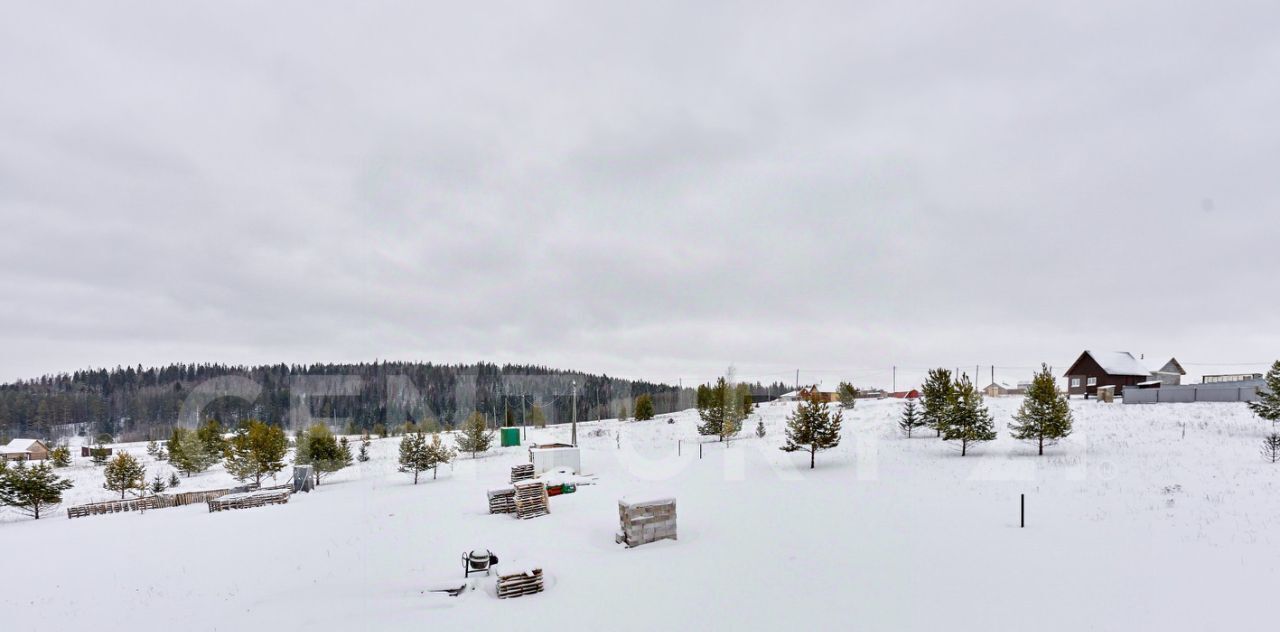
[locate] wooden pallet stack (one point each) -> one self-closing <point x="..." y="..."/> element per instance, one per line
<point x="521" y="472"/>
<point x="531" y="499"/>
<point x="642" y="522"/>
<point x="250" y="499"/>
<point x="502" y="500"/>
<point x="112" y="506"/>
<point x="520" y="584"/>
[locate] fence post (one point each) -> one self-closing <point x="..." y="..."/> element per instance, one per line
<point x="1023" y="512"/>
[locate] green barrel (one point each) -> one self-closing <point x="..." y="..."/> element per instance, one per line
<point x="510" y="437"/>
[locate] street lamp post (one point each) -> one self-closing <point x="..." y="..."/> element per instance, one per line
<point x="573" y="425"/>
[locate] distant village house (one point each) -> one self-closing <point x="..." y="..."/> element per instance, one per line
<point x="25" y="450"/>
<point x="1118" y="369"/>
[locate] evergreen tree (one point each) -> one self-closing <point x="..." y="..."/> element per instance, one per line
<point x="188" y="453"/>
<point x="1268" y="404"/>
<point x="438" y="454"/>
<point x="622" y="412"/>
<point x="124" y="473"/>
<point x="848" y="395"/>
<point x="211" y="434"/>
<point x="99" y="454"/>
<point x="720" y="409"/>
<point x="256" y="450"/>
<point x="1045" y="416"/>
<point x="644" y="408"/>
<point x="158" y="485"/>
<point x="415" y="455"/>
<point x="813" y="427"/>
<point x="537" y="418"/>
<point x="174" y="481"/>
<point x="60" y="456"/>
<point x="31" y="489"/>
<point x="747" y="405"/>
<point x="474" y="436"/>
<point x="364" y="449"/>
<point x="1271" y="447"/>
<point x="318" y="448"/>
<point x="937" y="395"/>
<point x="153" y="448"/>
<point x="911" y="418"/>
<point x="967" y="418"/>
<point x="760" y="429"/>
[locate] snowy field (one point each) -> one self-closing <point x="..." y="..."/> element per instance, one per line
<point x="1150" y="517"/>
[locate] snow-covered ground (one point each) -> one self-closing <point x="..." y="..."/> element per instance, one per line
<point x="1132" y="524"/>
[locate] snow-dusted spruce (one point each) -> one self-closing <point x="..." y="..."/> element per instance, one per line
<point x="60" y="456"/>
<point x="936" y="397"/>
<point x="256" y="450"/>
<point x="812" y="427"/>
<point x="99" y="454"/>
<point x="318" y="448"/>
<point x="911" y="418"/>
<point x="210" y="433"/>
<point x="364" y="449"/>
<point x="158" y="484"/>
<point x="1271" y="447"/>
<point x="125" y="473"/>
<point x="32" y="489"/>
<point x="417" y="456"/>
<point x="188" y="453"/>
<point x="174" y="481"/>
<point x="475" y="436"/>
<point x="848" y="394"/>
<point x="644" y="408"/>
<point x="438" y="454"/>
<point x="967" y="418"/>
<point x="622" y="412"/>
<point x="760" y="432"/>
<point x="722" y="409"/>
<point x="1268" y="404"/>
<point x="1045" y="416"/>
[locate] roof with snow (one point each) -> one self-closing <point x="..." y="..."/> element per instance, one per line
<point x="18" y="446"/>
<point x="1115" y="363"/>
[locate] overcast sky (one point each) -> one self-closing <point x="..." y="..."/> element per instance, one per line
<point x="653" y="190"/>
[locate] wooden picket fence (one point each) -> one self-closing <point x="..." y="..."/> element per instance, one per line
<point x="112" y="506"/>
<point x="191" y="498"/>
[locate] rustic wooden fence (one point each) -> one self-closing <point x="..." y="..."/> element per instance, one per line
<point x="273" y="496"/>
<point x="191" y="498"/>
<point x="113" y="506"/>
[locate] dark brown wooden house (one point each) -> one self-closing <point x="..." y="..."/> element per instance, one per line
<point x="1108" y="368"/>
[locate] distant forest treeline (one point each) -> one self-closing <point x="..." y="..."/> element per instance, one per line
<point x="137" y="403"/>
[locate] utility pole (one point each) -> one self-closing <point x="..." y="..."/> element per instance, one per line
<point x="573" y="426"/>
<point x="895" y="378"/>
<point x="797" y="379"/>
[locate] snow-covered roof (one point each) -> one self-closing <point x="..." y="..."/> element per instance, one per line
<point x="18" y="446"/>
<point x="1119" y="363"/>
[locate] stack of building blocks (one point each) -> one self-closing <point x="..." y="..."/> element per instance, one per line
<point x="642" y="522"/>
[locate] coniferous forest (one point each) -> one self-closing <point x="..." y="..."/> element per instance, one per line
<point x="138" y="403"/>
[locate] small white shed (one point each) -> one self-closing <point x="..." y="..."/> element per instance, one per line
<point x="549" y="459"/>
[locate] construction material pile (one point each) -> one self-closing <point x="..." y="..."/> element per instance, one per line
<point x="531" y="499"/>
<point x="502" y="500"/>
<point x="521" y="472"/>
<point x="520" y="584"/>
<point x="642" y="522"/>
